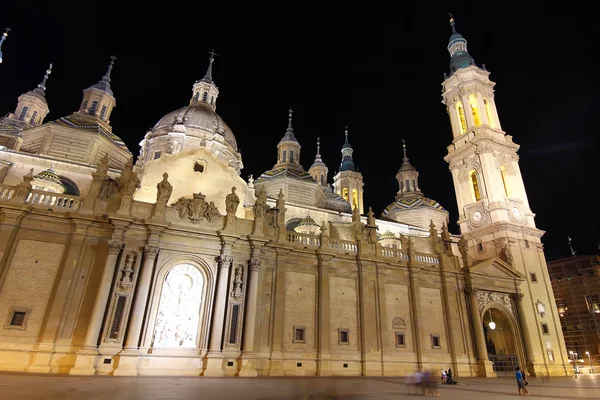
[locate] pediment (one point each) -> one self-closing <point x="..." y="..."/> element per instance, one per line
<point x="495" y="268"/>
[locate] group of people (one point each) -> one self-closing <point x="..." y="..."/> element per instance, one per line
<point x="422" y="383"/>
<point x="447" y="378"/>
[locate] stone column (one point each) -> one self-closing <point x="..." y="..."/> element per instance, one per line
<point x="215" y="357"/>
<point x="141" y="297"/>
<point x="454" y="120"/>
<point x="530" y="358"/>
<point x="483" y="363"/>
<point x="482" y="111"/>
<point x="88" y="356"/>
<point x="249" y="367"/>
<point x="324" y="318"/>
<point x="468" y="112"/>
<point x="97" y="316"/>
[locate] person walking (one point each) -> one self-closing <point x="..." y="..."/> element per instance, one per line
<point x="444" y="377"/>
<point x="521" y="382"/>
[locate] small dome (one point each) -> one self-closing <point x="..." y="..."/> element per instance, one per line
<point x="48" y="175"/>
<point x="308" y="225"/>
<point x="411" y="203"/>
<point x="199" y="117"/>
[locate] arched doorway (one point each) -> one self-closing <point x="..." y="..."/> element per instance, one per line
<point x="503" y="346"/>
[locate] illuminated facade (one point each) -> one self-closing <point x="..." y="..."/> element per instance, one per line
<point x="174" y="265"/>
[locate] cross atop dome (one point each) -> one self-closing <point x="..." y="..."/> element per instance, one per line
<point x="208" y="76"/>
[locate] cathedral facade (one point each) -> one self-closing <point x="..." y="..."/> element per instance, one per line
<point x="175" y="265"/>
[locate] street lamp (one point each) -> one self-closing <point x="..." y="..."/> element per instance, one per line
<point x="590" y="358"/>
<point x="491" y="324"/>
<point x="574" y="366"/>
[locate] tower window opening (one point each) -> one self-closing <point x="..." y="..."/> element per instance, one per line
<point x="475" y="110"/>
<point x="205" y="97"/>
<point x="32" y="120"/>
<point x="407" y="185"/>
<point x="197" y="96"/>
<point x="93" y="107"/>
<point x="283" y="158"/>
<point x="401" y="186"/>
<point x="322" y="180"/>
<point x="345" y="194"/>
<point x="103" y="112"/>
<point x="475" y="186"/>
<point x="212" y="100"/>
<point x="291" y="156"/>
<point x="23" y="113"/>
<point x="503" y="174"/>
<point x="414" y="185"/>
<point x="354" y="198"/>
<point x="84" y="105"/>
<point x="461" y="117"/>
<point x="488" y="112"/>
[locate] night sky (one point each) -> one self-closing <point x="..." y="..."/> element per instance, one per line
<point x="378" y="72"/>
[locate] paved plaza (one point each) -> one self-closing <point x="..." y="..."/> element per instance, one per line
<point x="58" y="387"/>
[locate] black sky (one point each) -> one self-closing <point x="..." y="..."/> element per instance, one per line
<point x="376" y="69"/>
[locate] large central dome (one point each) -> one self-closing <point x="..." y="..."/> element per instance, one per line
<point x="198" y="116"/>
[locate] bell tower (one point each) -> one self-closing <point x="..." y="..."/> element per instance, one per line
<point x="348" y="182"/>
<point x="495" y="218"/>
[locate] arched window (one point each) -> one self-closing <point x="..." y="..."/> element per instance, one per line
<point x="488" y="112"/>
<point x="407" y="185"/>
<point x="474" y="185"/>
<point x="178" y="314"/>
<point x="283" y="158"/>
<point x="322" y="180"/>
<point x="354" y="198"/>
<point x="70" y="186"/>
<point x="503" y="174"/>
<point x="291" y="156"/>
<point x="212" y="100"/>
<point x="401" y="186"/>
<point x="32" y="120"/>
<point x="197" y="96"/>
<point x="345" y="194"/>
<point x="205" y="96"/>
<point x="23" y="113"/>
<point x="103" y="112"/>
<point x="461" y="117"/>
<point x="475" y="110"/>
<point x="414" y="186"/>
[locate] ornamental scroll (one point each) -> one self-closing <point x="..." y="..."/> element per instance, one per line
<point x="484" y="298"/>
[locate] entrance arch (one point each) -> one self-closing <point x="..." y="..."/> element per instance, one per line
<point x="504" y="346"/>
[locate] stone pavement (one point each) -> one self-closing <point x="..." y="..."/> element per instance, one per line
<point x="62" y="387"/>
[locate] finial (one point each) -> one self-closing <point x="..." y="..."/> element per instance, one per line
<point x="452" y="22"/>
<point x="346" y="132"/>
<point x="405" y="159"/>
<point x="106" y="77"/>
<point x="42" y="85"/>
<point x="290" y="119"/>
<point x="208" y="75"/>
<point x="318" y="146"/>
<point x="4" y="35"/>
<point x="571" y="246"/>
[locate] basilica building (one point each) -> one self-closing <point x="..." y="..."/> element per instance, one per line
<point x="172" y="264"/>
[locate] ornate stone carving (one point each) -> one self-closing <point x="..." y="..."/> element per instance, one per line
<point x="108" y="189"/>
<point x="231" y="202"/>
<point x="151" y="251"/>
<point x="196" y="209"/>
<point x="447" y="240"/>
<point x="114" y="247"/>
<point x="164" y="189"/>
<point x="541" y="308"/>
<point x="236" y="292"/>
<point x="506" y="255"/>
<point x="260" y="206"/>
<point x="132" y="184"/>
<point x="224" y="261"/>
<point x="483" y="298"/>
<point x="127" y="273"/>
<point x="463" y="247"/>
<point x="178" y="310"/>
<point x="254" y="264"/>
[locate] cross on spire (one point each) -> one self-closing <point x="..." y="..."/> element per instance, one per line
<point x="452" y="22"/>
<point x="208" y="76"/>
<point x="405" y="159"/>
<point x="42" y="86"/>
<point x="106" y="77"/>
<point x="290" y="119"/>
